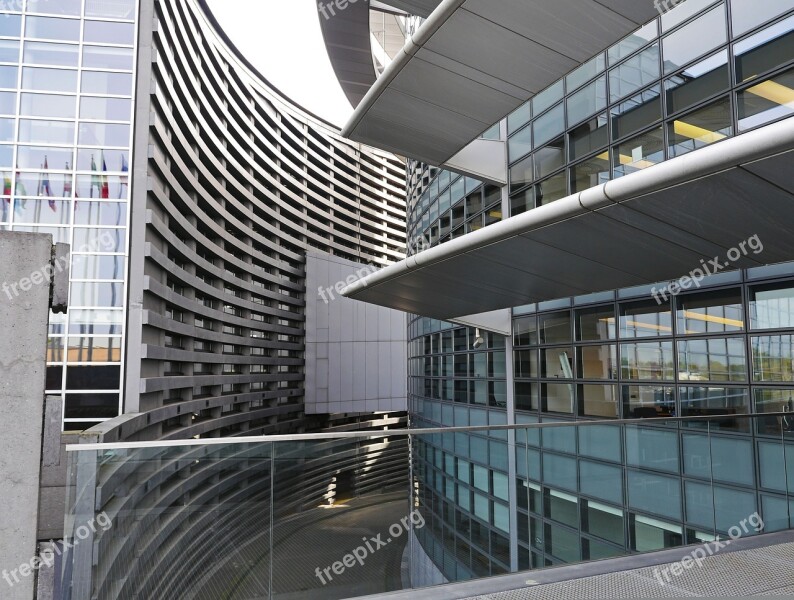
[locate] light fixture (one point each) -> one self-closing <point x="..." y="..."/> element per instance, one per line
<point x="478" y="340"/>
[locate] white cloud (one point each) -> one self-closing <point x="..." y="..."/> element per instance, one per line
<point x="282" y="39"/>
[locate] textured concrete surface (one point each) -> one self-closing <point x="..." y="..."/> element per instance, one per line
<point x="24" y="312"/>
<point x="356" y="358"/>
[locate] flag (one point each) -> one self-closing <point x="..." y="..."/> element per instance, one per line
<point x="94" y="177"/>
<point x="67" y="182"/>
<point x="20" y="191"/>
<point x="104" y="190"/>
<point x="7" y="187"/>
<point x="46" y="189"/>
<point x="125" y="168"/>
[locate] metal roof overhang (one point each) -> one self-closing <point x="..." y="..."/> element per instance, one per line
<point x="653" y="225"/>
<point x="474" y="61"/>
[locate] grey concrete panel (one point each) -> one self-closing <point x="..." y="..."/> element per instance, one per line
<point x="358" y="364"/>
<point x="24" y="312"/>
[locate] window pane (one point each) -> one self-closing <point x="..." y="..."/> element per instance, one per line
<point x="100" y="213"/>
<point x="772" y="358"/>
<point x="595" y="324"/>
<point x="521" y="174"/>
<point x="636" y="113"/>
<point x="557" y="397"/>
<point x="769" y="100"/>
<point x="526" y="396"/>
<point x="648" y="401"/>
<point x="112" y="109"/>
<point x="104" y="134"/>
<point x="647" y="361"/>
<point x="522" y="202"/>
<point x="557" y="363"/>
<point x="633" y="42"/>
<point x="46" y="132"/>
<point x="772" y="401"/>
<point x="55" y="80"/>
<point x="47" y="105"/>
<point x="118" y="84"/>
<point x="698" y="82"/>
<point x="694" y="39"/>
<point x="11" y="25"/>
<point x="518" y="118"/>
<point x="705" y="401"/>
<point x="711" y="312"/>
<point x="51" y="28"/>
<point x="116" y="160"/>
<point x="99" y="57"/>
<point x="9" y="49"/>
<point x="746" y="15"/>
<point x="765" y="50"/>
<point x="588" y="137"/>
<point x="555" y="328"/>
<point x="519" y="144"/>
<point x="45" y="53"/>
<point x="551" y="189"/>
<point x="598" y="401"/>
<point x="639" y="153"/>
<point x="35" y="157"/>
<point x="597" y="362"/>
<point x="586" y="72"/>
<point x="94" y="349"/>
<point x="590" y="173"/>
<point x="115" y="9"/>
<point x="8" y="76"/>
<point x="60" y="7"/>
<point x="87" y="266"/>
<point x="772" y="307"/>
<point x="590" y="99"/>
<point x="716" y="359"/>
<point x="700" y="128"/>
<point x="643" y="319"/>
<point x="550" y="158"/>
<point x="549" y="125"/>
<point x="547" y="97"/>
<point x="682" y="12"/>
<point x="635" y="73"/>
<point x="105" y="32"/>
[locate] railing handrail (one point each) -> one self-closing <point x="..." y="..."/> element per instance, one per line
<point x="308" y="437"/>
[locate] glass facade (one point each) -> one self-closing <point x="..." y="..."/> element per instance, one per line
<point x="725" y="350"/>
<point x="66" y="114"/>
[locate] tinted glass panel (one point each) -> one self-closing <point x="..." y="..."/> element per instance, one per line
<point x="765" y="50"/>
<point x="633" y="74"/>
<point x="700" y="128"/>
<point x="767" y="101"/>
<point x="694" y="39"/>
<point x="53" y="29"/>
<point x="108" y="33"/>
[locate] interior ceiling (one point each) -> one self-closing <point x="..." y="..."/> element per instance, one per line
<point x="648" y="237"/>
<point x="466" y="69"/>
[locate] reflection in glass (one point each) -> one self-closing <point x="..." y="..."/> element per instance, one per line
<point x="695" y="39"/>
<point x="588" y="137"/>
<point x="590" y="99"/>
<point x="550" y="125"/>
<point x="597" y="362"/>
<point x="647" y="361"/>
<point x="637" y="113"/>
<point x="643" y="319"/>
<point x="598" y="401"/>
<point x="9" y="49"/>
<point x="707" y="401"/>
<point x="103" y="134"/>
<point x="766" y="101"/>
<point x="8" y="103"/>
<point x="45" y="212"/>
<point x="46" y="132"/>
<point x="48" y="80"/>
<point x="555" y="328"/>
<point x="765" y="50"/>
<point x="635" y="73"/>
<point x="59" y="7"/>
<point x="746" y="15"/>
<point x="641" y="152"/>
<point x="95" y="321"/>
<point x="547" y="97"/>
<point x="550" y="158"/>
<point x="773" y="358"/>
<point x="521" y="174"/>
<point x="551" y="189"/>
<point x="36" y="157"/>
<point x="46" y="53"/>
<point x="771" y="401"/>
<point x="648" y="401"/>
<point x="557" y="363"/>
<point x="47" y="105"/>
<point x="590" y="173"/>
<point x="772" y="306"/>
<point x="633" y="42"/>
<point x="51" y="28"/>
<point x="698" y="82"/>
<point x="114" y="84"/>
<point x="710" y="312"/>
<point x="595" y="324"/>
<point x="700" y="128"/>
<point x="8" y="77"/>
<point x="714" y="359"/>
<point x="118" y="9"/>
<point x="94" y="349"/>
<point x="557" y="397"/>
<point x="106" y="32"/>
<point x="89" y="266"/>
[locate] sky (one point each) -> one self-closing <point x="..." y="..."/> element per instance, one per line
<point x="282" y="39"/>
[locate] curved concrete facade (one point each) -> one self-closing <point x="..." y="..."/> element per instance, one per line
<point x="232" y="184"/>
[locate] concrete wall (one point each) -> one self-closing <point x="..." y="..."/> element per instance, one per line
<point x="356" y="353"/>
<point x="24" y="312"/>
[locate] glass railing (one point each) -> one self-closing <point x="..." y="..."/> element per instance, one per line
<point x="346" y="515"/>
